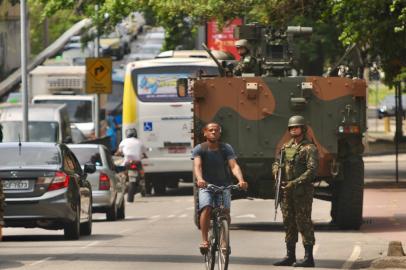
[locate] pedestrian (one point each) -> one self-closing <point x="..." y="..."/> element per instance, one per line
<point x="212" y="162"/>
<point x="1" y="195"/>
<point x="299" y="168"/>
<point x="247" y="63"/>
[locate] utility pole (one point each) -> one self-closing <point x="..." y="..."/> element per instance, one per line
<point x="24" y="90"/>
<point x="97" y="100"/>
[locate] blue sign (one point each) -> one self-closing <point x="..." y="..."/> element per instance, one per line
<point x="147" y="126"/>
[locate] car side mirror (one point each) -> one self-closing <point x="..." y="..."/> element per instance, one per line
<point x="182" y="87"/>
<point x="89" y="168"/>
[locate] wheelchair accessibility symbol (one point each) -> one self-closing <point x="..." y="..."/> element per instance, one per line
<point x="147" y="126"/>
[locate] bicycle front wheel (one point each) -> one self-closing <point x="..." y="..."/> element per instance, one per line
<point x="223" y="245"/>
<point x="210" y="256"/>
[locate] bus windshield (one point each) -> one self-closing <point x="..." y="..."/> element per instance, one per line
<point x="159" y="84"/>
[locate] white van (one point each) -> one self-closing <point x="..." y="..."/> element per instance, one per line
<point x="46" y="123"/>
<point x="80" y="109"/>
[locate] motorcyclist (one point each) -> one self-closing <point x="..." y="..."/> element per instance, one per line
<point x="131" y="147"/>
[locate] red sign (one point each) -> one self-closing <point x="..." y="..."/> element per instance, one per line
<point x="223" y="40"/>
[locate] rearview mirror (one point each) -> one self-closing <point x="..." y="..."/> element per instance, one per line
<point x="182" y="87"/>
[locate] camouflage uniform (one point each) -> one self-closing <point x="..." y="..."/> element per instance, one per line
<point x="300" y="168"/>
<point x="247" y="64"/>
<point x="1" y="187"/>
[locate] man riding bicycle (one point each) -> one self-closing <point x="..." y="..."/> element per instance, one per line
<point x="212" y="162"/>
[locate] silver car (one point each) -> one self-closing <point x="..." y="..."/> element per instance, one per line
<point x="108" y="187"/>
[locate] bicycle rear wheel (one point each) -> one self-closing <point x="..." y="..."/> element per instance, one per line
<point x="210" y="256"/>
<point x="223" y="245"/>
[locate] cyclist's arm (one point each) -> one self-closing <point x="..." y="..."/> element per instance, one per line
<point x="197" y="169"/>
<point x="235" y="169"/>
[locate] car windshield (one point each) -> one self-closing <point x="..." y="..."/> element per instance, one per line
<point x="80" y="111"/>
<point x="86" y="155"/>
<point x="13" y="156"/>
<point x="37" y="131"/>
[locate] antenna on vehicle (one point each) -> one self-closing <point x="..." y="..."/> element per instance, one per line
<point x="19" y="144"/>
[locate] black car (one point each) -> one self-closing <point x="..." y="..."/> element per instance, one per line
<point x="45" y="186"/>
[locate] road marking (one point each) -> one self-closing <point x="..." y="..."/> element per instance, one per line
<point x="171" y="216"/>
<point x="183" y="216"/>
<point x="246" y="216"/>
<point x="91" y="244"/>
<point x="190" y="208"/>
<point x="41" y="261"/>
<point x="154" y="218"/>
<point x="354" y="256"/>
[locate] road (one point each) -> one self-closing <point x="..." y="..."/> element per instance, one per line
<point x="158" y="233"/>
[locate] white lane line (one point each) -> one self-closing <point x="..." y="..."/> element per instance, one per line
<point x="171" y="216"/>
<point x="154" y="219"/>
<point x="354" y="256"/>
<point x="246" y="216"/>
<point x="91" y="244"/>
<point x="41" y="261"/>
<point x="124" y="231"/>
<point x="183" y="216"/>
<point x="189" y="208"/>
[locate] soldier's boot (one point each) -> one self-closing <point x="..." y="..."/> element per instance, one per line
<point x="290" y="258"/>
<point x="308" y="260"/>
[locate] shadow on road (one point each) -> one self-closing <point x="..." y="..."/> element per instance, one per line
<point x="45" y="237"/>
<point x="6" y="264"/>
<point x="278" y="226"/>
<point x="384" y="224"/>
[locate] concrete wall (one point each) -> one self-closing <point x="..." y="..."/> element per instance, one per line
<point x="9" y="37"/>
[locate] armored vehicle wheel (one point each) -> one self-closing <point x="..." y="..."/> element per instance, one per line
<point x="350" y="192"/>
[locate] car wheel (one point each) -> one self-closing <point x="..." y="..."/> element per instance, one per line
<point x="111" y="214"/>
<point x="121" y="210"/>
<point x="72" y="229"/>
<point x="86" y="228"/>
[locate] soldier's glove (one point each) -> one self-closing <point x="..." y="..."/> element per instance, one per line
<point x="289" y="185"/>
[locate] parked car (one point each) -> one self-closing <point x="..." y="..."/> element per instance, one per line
<point x="44" y="186"/>
<point x="108" y="188"/>
<point x="387" y="106"/>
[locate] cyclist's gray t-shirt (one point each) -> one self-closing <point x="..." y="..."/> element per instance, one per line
<point x="214" y="167"/>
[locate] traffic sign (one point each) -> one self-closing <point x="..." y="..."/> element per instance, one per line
<point x="98" y="75"/>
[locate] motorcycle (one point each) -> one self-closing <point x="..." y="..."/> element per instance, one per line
<point x="136" y="180"/>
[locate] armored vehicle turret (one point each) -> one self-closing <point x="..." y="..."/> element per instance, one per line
<point x="254" y="112"/>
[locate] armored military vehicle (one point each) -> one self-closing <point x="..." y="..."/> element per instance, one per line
<point x="254" y="110"/>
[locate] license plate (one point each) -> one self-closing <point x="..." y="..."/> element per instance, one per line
<point x="16" y="184"/>
<point x="132" y="173"/>
<point x="177" y="150"/>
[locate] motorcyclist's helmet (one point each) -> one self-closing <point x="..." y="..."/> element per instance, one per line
<point x="131" y="133"/>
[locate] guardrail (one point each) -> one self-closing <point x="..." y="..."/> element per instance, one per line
<point x="11" y="81"/>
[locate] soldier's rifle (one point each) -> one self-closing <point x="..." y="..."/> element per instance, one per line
<point x="278" y="185"/>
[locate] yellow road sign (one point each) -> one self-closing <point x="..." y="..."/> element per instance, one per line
<point x="98" y="75"/>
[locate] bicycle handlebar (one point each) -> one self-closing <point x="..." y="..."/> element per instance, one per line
<point x="216" y="189"/>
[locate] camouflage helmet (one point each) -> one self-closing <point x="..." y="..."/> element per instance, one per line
<point x="242" y="43"/>
<point x="296" y="120"/>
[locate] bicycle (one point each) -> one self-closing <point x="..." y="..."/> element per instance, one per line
<point x="219" y="238"/>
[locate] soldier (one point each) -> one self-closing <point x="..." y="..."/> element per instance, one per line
<point x="300" y="162"/>
<point x="247" y="63"/>
<point x="1" y="193"/>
